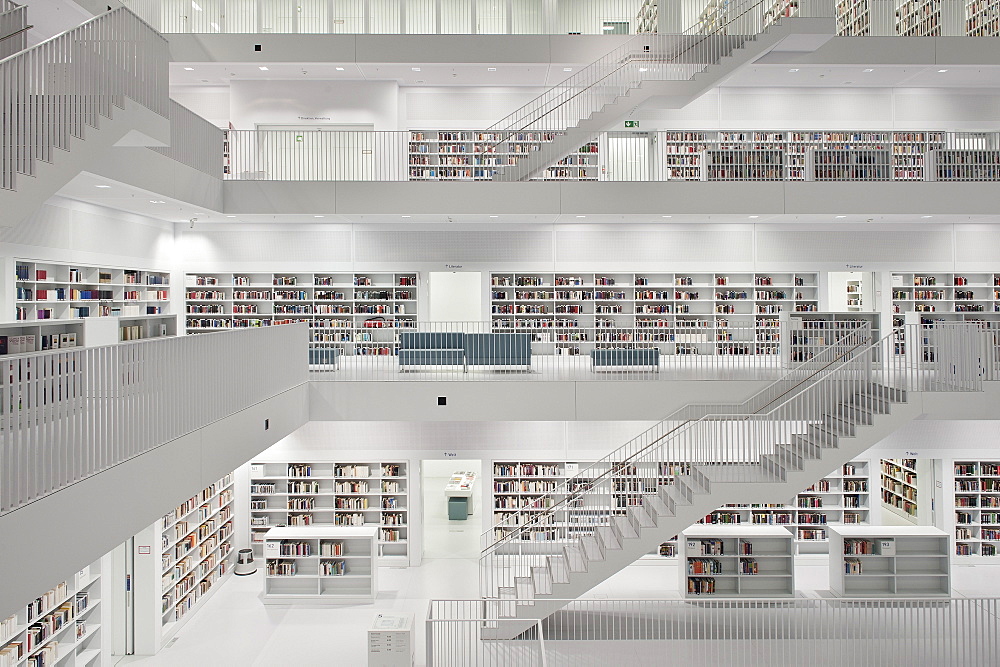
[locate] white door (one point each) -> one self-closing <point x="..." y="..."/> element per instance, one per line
<point x="628" y="157"/>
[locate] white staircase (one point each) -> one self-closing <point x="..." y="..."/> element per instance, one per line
<point x="72" y="97"/>
<point x="675" y="69"/>
<point x="820" y="415"/>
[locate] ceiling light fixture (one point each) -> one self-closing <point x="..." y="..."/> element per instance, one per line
<point x="666" y="216"/>
<point x="841" y="216"/>
<point x="340" y="69"/>
<point x="102" y="186"/>
<point x="263" y="68"/>
<point x="188" y="69"/>
<point x="407" y="216"/>
<point x="157" y="201"/>
<point x="318" y="216"/>
<point x="793" y="70"/>
<point x="754" y="217"/>
<point x="494" y="216"/>
<point x="491" y="69"/>
<point x="941" y="71"/>
<point x="581" y="216"/>
<point x="567" y="69"/>
<point x="869" y="70"/>
<point x="927" y="216"/>
<point x="415" y="69"/>
<point x="230" y="216"/>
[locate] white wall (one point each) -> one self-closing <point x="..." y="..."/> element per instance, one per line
<point x="734" y="107"/>
<point x="64" y="230"/>
<point x="375" y="103"/>
<point x="210" y="102"/>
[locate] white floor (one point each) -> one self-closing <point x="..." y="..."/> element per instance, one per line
<point x="235" y="628"/>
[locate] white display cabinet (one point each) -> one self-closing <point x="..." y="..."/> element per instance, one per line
<point x="737" y="561"/>
<point x="320" y="564"/>
<point x="889" y="561"/>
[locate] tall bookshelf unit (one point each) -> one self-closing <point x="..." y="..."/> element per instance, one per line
<point x="62" y="626"/>
<point x="889" y="561"/>
<point x="842" y="498"/>
<point x="737" y="561"/>
<point x="46" y="292"/>
<point x="681" y="314"/>
<point x="964" y="165"/>
<point x="333" y="493"/>
<point x="195" y="545"/>
<point x="918" y="18"/>
<point x="647" y="19"/>
<point x="958" y="296"/>
<point x="320" y="565"/>
<point x="359" y="313"/>
<point x="982" y="18"/>
<point x="899" y="487"/>
<point x="977" y="508"/>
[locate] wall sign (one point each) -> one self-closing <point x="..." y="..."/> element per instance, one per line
<point x="631" y="123"/>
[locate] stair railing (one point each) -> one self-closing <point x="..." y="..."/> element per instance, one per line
<point x="736" y="443"/>
<point x="54" y="90"/>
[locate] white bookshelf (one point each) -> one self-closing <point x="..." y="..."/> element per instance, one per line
<point x="841" y="498"/>
<point x="899" y="487"/>
<point x="963" y="164"/>
<point x="474" y="155"/>
<point x="780" y="9"/>
<point x="854" y="18"/>
<point x="737" y="561"/>
<point x="647" y="18"/>
<point x="358" y="313"/>
<point x="918" y="18"/>
<point x="977" y="507"/>
<point x="679" y="313"/>
<point x="194" y="542"/>
<point x="889" y="561"/>
<point x="63" y="626"/>
<point x="39" y="336"/>
<point x="47" y="291"/>
<point x="334" y="493"/>
<point x="809" y="333"/>
<point x="945" y="296"/>
<point x="320" y="564"/>
<point x="982" y="18"/>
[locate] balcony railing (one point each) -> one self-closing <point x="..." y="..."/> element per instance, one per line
<point x="909" y="18"/>
<point x="71" y="413"/>
<point x="661" y="155"/>
<point x="734" y="633"/>
<point x="193" y="141"/>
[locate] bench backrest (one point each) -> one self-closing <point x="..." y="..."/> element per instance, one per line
<point x="498" y="347"/>
<point x="431" y="340"/>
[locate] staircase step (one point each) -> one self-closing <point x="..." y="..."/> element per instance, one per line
<point x="558" y="569"/>
<point x="841" y="425"/>
<point x="641" y="514"/>
<point x="737" y="473"/>
<point x="541" y="580"/>
<point x="855" y="413"/>
<point x="890" y="394"/>
<point x="625" y="527"/>
<point x="805" y="450"/>
<point x="783" y="460"/>
<point x="576" y="559"/>
<point x="820" y="436"/>
<point x="591" y="548"/>
<point x="656" y="504"/>
<point x="609" y="537"/>
<point x="525" y="590"/>
<point x="874" y="404"/>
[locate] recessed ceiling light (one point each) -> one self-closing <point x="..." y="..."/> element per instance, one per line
<point x="841" y="216"/>
<point x="869" y="70"/>
<point x="230" y="216"/>
<point x="491" y="69"/>
<point x="666" y="216"/>
<point x="754" y="217"/>
<point x="567" y="69"/>
<point x="494" y="216"/>
<point x="406" y="216"/>
<point x="340" y="69"/>
<point x="318" y="216"/>
<point x="188" y="69"/>
<point x="581" y="216"/>
<point x="793" y="70"/>
<point x="927" y="216"/>
<point x="262" y="68"/>
<point x="102" y="186"/>
<point x="415" y="69"/>
<point x="942" y="70"/>
<point x="157" y="201"/>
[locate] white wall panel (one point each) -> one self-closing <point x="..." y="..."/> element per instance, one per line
<point x="374" y="103"/>
<point x="834" y="249"/>
<point x="452" y="246"/>
<point x="209" y="102"/>
<point x="978" y="246"/>
<point x="654" y="246"/>
<point x="463" y="108"/>
<point x="266" y="247"/>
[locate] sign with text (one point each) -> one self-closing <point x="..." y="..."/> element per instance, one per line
<point x="631" y="123"/>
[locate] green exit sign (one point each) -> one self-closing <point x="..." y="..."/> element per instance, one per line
<point x="631" y="123"/>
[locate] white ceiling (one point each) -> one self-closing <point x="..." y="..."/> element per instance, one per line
<point x="127" y="198"/>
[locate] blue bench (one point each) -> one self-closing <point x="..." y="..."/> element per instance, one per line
<point x="325" y="356"/>
<point x="639" y="357"/>
<point x="426" y="348"/>
<point x="498" y="349"/>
